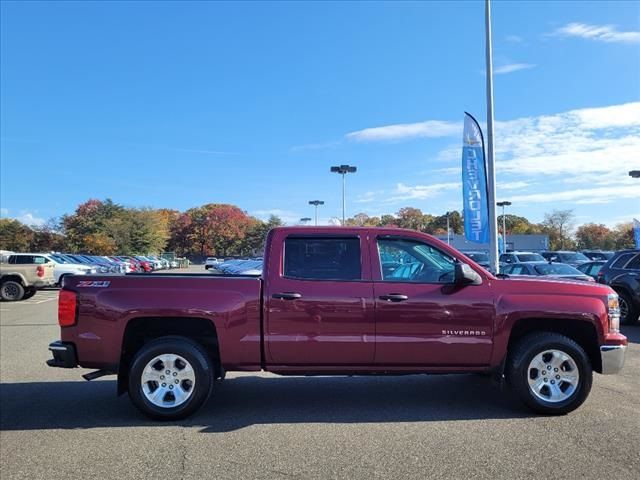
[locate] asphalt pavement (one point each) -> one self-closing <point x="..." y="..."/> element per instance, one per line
<point x="55" y="425"/>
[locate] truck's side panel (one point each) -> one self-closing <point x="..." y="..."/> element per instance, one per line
<point x="231" y="304"/>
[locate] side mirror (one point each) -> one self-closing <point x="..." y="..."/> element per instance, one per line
<point x="465" y="275"/>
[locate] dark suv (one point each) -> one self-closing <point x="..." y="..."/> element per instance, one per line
<point x="622" y="273"/>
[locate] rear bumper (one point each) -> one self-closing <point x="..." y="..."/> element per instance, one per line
<point x="612" y="358"/>
<point x="44" y="283"/>
<point x="64" y="355"/>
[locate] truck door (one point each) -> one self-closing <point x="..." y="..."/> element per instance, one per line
<point x="421" y="318"/>
<point x="319" y="301"/>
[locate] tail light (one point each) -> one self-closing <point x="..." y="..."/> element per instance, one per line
<point x="67" y="308"/>
<point x="40" y="271"/>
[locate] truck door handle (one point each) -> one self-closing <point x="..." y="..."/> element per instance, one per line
<point x="287" y="296"/>
<point x="394" y="297"/>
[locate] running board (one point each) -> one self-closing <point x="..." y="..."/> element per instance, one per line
<point x="97" y="374"/>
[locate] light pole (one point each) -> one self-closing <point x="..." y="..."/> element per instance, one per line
<point x="448" y="230"/>
<point x="304" y="220"/>
<point x="634" y="173"/>
<point x="504" y="223"/>
<point x="315" y="203"/>
<point x="343" y="170"/>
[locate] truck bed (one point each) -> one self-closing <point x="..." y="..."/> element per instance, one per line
<point x="109" y="305"/>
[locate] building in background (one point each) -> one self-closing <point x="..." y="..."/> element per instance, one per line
<point x="528" y="243"/>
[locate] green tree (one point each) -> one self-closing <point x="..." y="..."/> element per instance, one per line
<point x="14" y="235"/>
<point x="412" y="218"/>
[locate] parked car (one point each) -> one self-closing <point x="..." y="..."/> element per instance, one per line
<point x="620" y="272"/>
<point x="560" y="271"/>
<point x="61" y="267"/>
<point x="327" y="307"/>
<point x="211" y="262"/>
<point x="591" y="268"/>
<point x="565" y="256"/>
<point x="21" y="280"/>
<point x="598" y="254"/>
<point x="520" y="257"/>
<point x="481" y="258"/>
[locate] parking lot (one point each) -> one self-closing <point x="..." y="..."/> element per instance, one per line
<point x="56" y="425"/>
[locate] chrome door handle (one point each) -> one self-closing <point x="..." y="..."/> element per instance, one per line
<point x="394" y="297"/>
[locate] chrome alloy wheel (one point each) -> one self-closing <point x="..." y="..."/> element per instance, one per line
<point x="168" y="380"/>
<point x="553" y="376"/>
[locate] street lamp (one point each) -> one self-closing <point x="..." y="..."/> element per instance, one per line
<point x="304" y="220"/>
<point x="504" y="228"/>
<point x="343" y="170"/>
<point x="448" y="239"/>
<point x="315" y="203"/>
<point x="634" y="173"/>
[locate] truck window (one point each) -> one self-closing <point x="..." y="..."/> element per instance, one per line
<point x="322" y="258"/>
<point x="22" y="259"/>
<point x="414" y="262"/>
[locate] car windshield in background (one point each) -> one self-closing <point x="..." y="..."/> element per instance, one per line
<point x="530" y="257"/>
<point x="556" y="269"/>
<point x="573" y="257"/>
<point x="60" y="259"/>
<point x="478" y="257"/>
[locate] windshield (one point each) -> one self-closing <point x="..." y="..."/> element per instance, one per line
<point x="573" y="257"/>
<point x="556" y="269"/>
<point x="530" y="257"/>
<point x="60" y="259"/>
<point x="478" y="257"/>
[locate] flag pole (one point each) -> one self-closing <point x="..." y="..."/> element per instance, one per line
<point x="491" y="172"/>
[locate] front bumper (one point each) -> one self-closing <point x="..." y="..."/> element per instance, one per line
<point x="64" y="355"/>
<point x="612" y="358"/>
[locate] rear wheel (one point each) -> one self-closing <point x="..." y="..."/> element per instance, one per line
<point x="628" y="311"/>
<point x="170" y="378"/>
<point x="11" y="291"/>
<point x="550" y="373"/>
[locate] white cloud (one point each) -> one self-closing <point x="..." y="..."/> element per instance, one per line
<point x="512" y="67"/>
<point x="404" y="131"/>
<point x="582" y="196"/>
<point x="519" y="185"/>
<point x="603" y="33"/>
<point x="4" y="212"/>
<point x="514" y="38"/>
<point x="30" y="219"/>
<point x="287" y="216"/>
<point x="421" y="192"/>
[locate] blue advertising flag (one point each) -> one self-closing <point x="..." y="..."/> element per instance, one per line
<point x="474" y="183"/>
<point x="636" y="232"/>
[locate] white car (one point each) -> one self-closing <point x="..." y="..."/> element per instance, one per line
<point x="61" y="266"/>
<point x="211" y="262"/>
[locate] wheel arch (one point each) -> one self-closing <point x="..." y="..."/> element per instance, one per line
<point x="141" y="330"/>
<point x="584" y="333"/>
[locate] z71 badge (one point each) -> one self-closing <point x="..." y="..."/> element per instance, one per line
<point x="94" y="283"/>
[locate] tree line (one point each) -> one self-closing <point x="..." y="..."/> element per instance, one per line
<point x="103" y="227"/>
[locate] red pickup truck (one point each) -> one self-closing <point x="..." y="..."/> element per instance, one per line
<point x="340" y="301"/>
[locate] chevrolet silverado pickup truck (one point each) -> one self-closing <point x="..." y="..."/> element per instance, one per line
<point x="22" y="281"/>
<point x="340" y="301"/>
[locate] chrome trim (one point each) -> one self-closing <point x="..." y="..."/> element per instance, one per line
<point x="612" y="358"/>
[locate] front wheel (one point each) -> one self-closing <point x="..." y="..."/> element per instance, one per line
<point x="550" y="373"/>
<point x="170" y="378"/>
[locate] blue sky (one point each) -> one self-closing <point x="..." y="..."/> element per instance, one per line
<point x="180" y="104"/>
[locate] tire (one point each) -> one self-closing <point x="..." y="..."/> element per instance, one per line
<point x="11" y="291"/>
<point x="61" y="279"/>
<point x="628" y="311"/>
<point x="154" y="397"/>
<point x="29" y="292"/>
<point x="559" y="357"/>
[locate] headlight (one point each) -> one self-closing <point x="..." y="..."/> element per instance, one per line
<point x="614" y="313"/>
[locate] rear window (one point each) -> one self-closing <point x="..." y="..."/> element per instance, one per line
<point x="21" y="259"/>
<point x="634" y="264"/>
<point x="530" y="257"/>
<point x="622" y="260"/>
<point x="322" y="258"/>
<point x="556" y="269"/>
